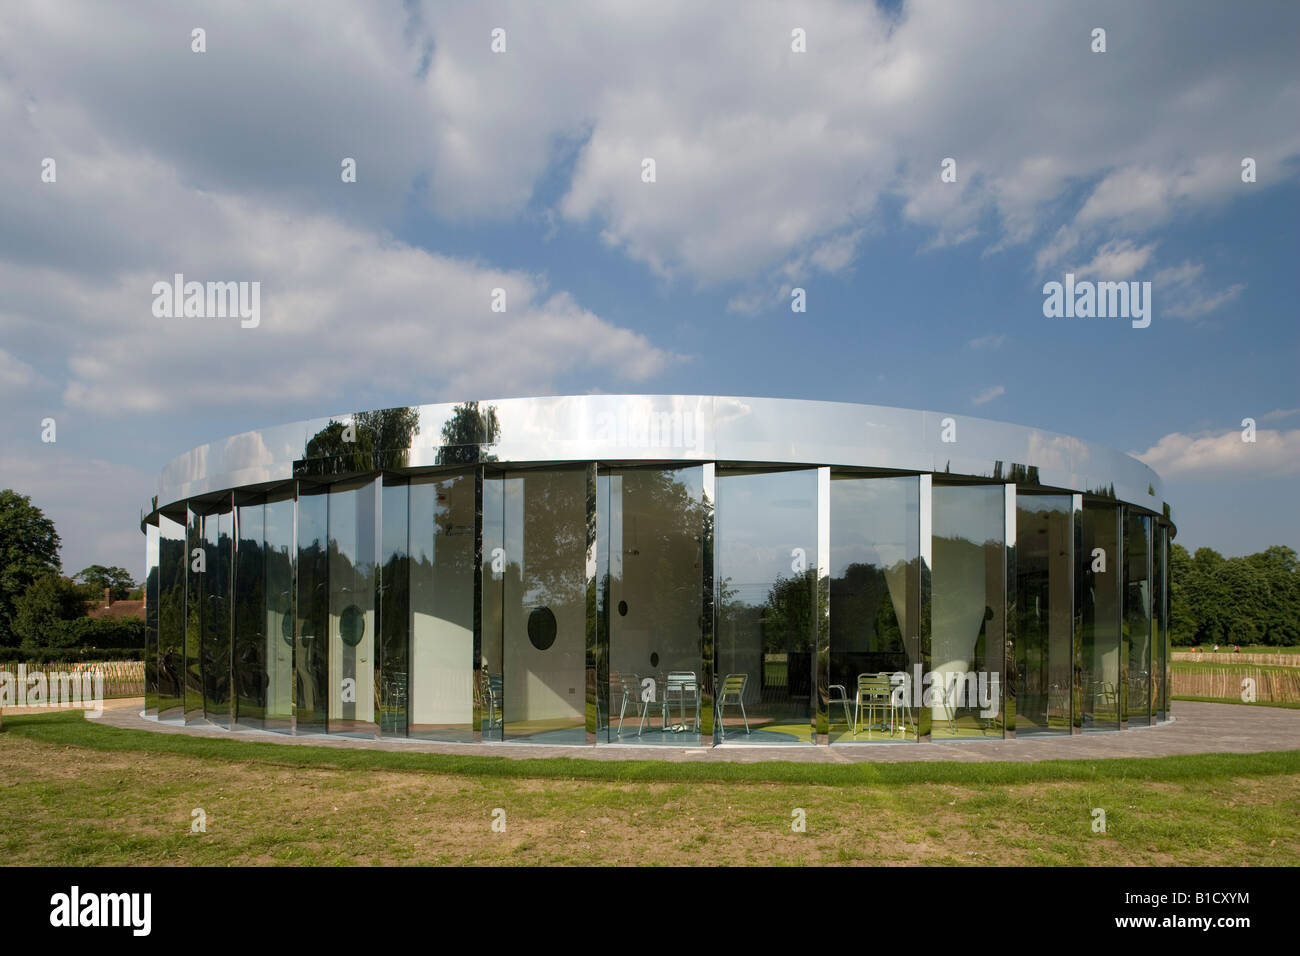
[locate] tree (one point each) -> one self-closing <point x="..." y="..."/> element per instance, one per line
<point x="1241" y="612"/>
<point x="42" y="612"/>
<point x="1246" y="600"/>
<point x="1182" y="579"/>
<point x="29" y="548"/>
<point x="1208" y="599"/>
<point x="97" y="577"/>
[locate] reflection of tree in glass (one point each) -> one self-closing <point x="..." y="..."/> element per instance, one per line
<point x="192" y="676"/>
<point x="382" y="440"/>
<point x="553" y="539"/>
<point x="865" y="618"/>
<point x="312" y="607"/>
<point x="465" y="431"/>
<point x="216" y="643"/>
<point x="250" y="622"/>
<point x="663" y="526"/>
<point x="787" y="617"/>
<point x="171" y="619"/>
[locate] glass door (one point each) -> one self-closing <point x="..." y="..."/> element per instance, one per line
<point x="536" y="555"/>
<point x="652" y="523"/>
<point x="766" y="595"/>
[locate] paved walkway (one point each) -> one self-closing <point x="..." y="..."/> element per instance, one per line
<point x="1198" y="728"/>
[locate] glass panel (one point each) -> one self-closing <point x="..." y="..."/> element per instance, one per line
<point x="1137" y="617"/>
<point x="394" y="608"/>
<point x="248" y="639"/>
<point x="312" y="607"/>
<point x="968" y="607"/>
<point x="1160" y="632"/>
<point x="767" y="585"/>
<point x="353" y="561"/>
<point x="653" y="529"/>
<point x="278" y="552"/>
<point x="491" y="677"/>
<point x="1044" y="605"/>
<point x="1099" y="643"/>
<point x="874" y="607"/>
<point x="151" y="620"/>
<point x="218" y="535"/>
<point x="544" y="606"/>
<point x="605" y="692"/>
<point x="250" y="646"/>
<point x="196" y="559"/>
<point x="171" y="618"/>
<point x="442" y="607"/>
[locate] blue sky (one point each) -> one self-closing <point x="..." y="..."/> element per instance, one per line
<point x="774" y="169"/>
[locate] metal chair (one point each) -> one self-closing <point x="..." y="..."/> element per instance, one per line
<point x="627" y="690"/>
<point x="630" y="690"/>
<point x="897" y="702"/>
<point x="841" y="698"/>
<point x="394" y="701"/>
<point x="945" y="692"/>
<point x="647" y="696"/>
<point x="1058" y="703"/>
<point x="1139" y="690"/>
<point x="1103" y="692"/>
<point x="681" y="683"/>
<point x="492" y="697"/>
<point x="874" y="693"/>
<point x="733" y="685"/>
<point x="397" y="688"/>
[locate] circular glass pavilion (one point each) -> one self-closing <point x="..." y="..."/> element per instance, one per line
<point x="658" y="570"/>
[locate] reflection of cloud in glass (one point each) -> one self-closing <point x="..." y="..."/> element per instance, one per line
<point x="1047" y="450"/>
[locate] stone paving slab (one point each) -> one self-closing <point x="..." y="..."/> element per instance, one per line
<point x="1197" y="728"/>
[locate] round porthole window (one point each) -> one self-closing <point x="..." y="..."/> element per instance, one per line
<point x="352" y="625"/>
<point x="622" y="609"/>
<point x="654" y="660"/>
<point x="286" y="629"/>
<point x="541" y="628"/>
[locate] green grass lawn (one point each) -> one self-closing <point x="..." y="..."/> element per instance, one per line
<point x="80" y="793"/>
<point x="1237" y="700"/>
<point x="1225" y="650"/>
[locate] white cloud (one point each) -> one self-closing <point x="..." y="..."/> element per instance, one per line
<point x="1205" y="456"/>
<point x="1185" y="295"/>
<point x="346" y="308"/>
<point x="750" y="303"/>
<point x="1117" y="260"/>
<point x="836" y="253"/>
<point x="93" y="503"/>
<point x="988" y="394"/>
<point x="765" y="157"/>
<point x="1175" y="276"/>
<point x="15" y="374"/>
<point x="1128" y="193"/>
<point x="1201" y="305"/>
